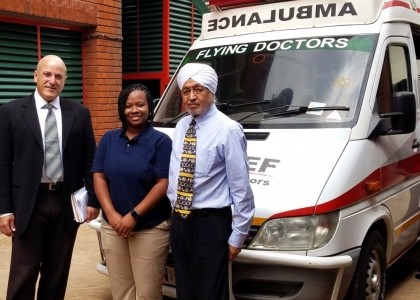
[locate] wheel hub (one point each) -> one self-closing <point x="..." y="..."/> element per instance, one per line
<point x="373" y="282"/>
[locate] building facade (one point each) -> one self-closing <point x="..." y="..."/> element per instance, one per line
<point x="106" y="44"/>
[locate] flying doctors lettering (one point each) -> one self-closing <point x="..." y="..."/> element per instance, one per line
<point x="299" y="44"/>
<point x="358" y="43"/>
<point x="282" y="15"/>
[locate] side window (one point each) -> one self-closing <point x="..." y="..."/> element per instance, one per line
<point x="395" y="76"/>
<point x="416" y="39"/>
<point x="400" y="67"/>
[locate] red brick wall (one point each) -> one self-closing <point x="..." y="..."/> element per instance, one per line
<point x="100" y="21"/>
<point x="71" y="12"/>
<point x="103" y="66"/>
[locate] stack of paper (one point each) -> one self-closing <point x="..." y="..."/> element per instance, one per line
<point x="79" y="201"/>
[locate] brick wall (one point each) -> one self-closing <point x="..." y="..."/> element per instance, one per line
<point x="103" y="66"/>
<point x="100" y="21"/>
<point x="70" y="12"/>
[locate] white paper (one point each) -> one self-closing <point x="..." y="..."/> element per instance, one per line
<point x="316" y="104"/>
<point x="79" y="203"/>
<point x="333" y="117"/>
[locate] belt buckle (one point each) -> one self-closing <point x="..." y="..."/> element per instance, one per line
<point x="54" y="186"/>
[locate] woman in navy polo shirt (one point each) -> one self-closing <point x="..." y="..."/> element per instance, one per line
<point x="131" y="177"/>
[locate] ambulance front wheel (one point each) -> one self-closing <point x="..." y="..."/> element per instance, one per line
<point x="370" y="275"/>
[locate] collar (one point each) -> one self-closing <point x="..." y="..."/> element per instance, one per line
<point x="40" y="102"/>
<point x="145" y="135"/>
<point x="206" y="117"/>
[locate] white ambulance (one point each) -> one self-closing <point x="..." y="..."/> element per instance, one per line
<point x="327" y="92"/>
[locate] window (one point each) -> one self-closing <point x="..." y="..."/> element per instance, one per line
<point x="395" y="76"/>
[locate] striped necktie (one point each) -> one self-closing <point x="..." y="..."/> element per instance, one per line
<point x="53" y="166"/>
<point x="185" y="191"/>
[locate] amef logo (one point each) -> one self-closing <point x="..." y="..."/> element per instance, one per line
<point x="261" y="167"/>
<point x="283" y="15"/>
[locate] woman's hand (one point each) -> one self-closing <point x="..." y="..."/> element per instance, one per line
<point x="125" y="225"/>
<point x="114" y="219"/>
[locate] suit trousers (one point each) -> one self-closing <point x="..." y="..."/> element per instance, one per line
<point x="200" y="252"/>
<point x="45" y="249"/>
<point x="135" y="264"/>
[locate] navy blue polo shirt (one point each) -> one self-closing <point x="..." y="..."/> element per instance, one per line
<point x="131" y="168"/>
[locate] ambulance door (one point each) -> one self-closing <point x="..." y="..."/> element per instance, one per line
<point x="398" y="153"/>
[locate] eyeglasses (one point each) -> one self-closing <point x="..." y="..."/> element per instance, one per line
<point x="197" y="91"/>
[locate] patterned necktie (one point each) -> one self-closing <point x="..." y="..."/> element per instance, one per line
<point x="185" y="191"/>
<point x="53" y="167"/>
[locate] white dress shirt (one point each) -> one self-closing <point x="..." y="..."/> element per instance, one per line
<point x="221" y="176"/>
<point x="42" y="116"/>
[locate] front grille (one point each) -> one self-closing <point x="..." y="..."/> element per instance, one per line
<point x="251" y="234"/>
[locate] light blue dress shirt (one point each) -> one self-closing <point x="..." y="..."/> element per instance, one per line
<point x="221" y="175"/>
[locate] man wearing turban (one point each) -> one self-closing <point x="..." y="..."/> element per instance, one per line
<point x="208" y="175"/>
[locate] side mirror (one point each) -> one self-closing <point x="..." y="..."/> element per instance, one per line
<point x="404" y="102"/>
<point x="403" y="117"/>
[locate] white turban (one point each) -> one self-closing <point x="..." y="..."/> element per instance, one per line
<point x="201" y="73"/>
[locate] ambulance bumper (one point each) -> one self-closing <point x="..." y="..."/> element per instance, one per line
<point x="267" y="275"/>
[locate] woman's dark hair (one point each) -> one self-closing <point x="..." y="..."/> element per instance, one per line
<point x="122" y="100"/>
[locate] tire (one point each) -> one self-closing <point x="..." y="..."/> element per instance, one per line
<point x="370" y="276"/>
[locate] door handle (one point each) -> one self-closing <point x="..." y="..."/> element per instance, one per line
<point x="416" y="144"/>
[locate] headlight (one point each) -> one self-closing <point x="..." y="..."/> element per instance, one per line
<point x="297" y="233"/>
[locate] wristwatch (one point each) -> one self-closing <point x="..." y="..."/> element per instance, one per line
<point x="135" y="215"/>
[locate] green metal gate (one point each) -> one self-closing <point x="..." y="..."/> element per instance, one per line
<point x="180" y="40"/>
<point x="19" y="57"/>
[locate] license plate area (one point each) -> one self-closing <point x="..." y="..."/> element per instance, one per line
<point x="169" y="276"/>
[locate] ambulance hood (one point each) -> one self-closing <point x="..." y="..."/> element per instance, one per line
<point x="289" y="170"/>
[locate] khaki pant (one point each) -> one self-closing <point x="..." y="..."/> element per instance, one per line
<point x="135" y="264"/>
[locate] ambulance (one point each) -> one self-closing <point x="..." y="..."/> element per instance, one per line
<point x="327" y="92"/>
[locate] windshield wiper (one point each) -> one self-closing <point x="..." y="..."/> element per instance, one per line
<point x="184" y="113"/>
<point x="221" y="105"/>
<point x="261" y="111"/>
<point x="304" y="109"/>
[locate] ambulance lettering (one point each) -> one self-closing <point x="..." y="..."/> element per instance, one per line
<point x="302" y="44"/>
<point x="282" y="45"/>
<point x="261" y="167"/>
<point x="226" y="50"/>
<point x="283" y="15"/>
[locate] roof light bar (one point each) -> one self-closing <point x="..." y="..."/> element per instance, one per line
<point x="222" y="3"/>
<point x="226" y="4"/>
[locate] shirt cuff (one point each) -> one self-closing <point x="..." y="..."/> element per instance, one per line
<point x="236" y="240"/>
<point x="5" y="215"/>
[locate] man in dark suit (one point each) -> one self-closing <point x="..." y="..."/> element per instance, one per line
<point x="35" y="207"/>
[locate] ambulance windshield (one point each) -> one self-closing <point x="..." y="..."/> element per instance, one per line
<point x="258" y="81"/>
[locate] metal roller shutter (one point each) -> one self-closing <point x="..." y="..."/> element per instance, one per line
<point x="180" y="31"/>
<point x="19" y="57"/>
<point x="129" y="32"/>
<point x="67" y="45"/>
<point x="142" y="22"/>
<point x="150" y="35"/>
<point x="18" y="60"/>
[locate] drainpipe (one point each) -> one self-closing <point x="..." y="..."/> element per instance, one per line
<point x="201" y="6"/>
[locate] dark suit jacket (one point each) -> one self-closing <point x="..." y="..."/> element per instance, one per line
<point x="22" y="157"/>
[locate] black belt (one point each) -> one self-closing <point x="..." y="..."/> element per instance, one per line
<point x="51" y="186"/>
<point x="197" y="213"/>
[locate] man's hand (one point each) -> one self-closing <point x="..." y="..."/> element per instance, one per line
<point x="91" y="213"/>
<point x="7" y="225"/>
<point x="233" y="252"/>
